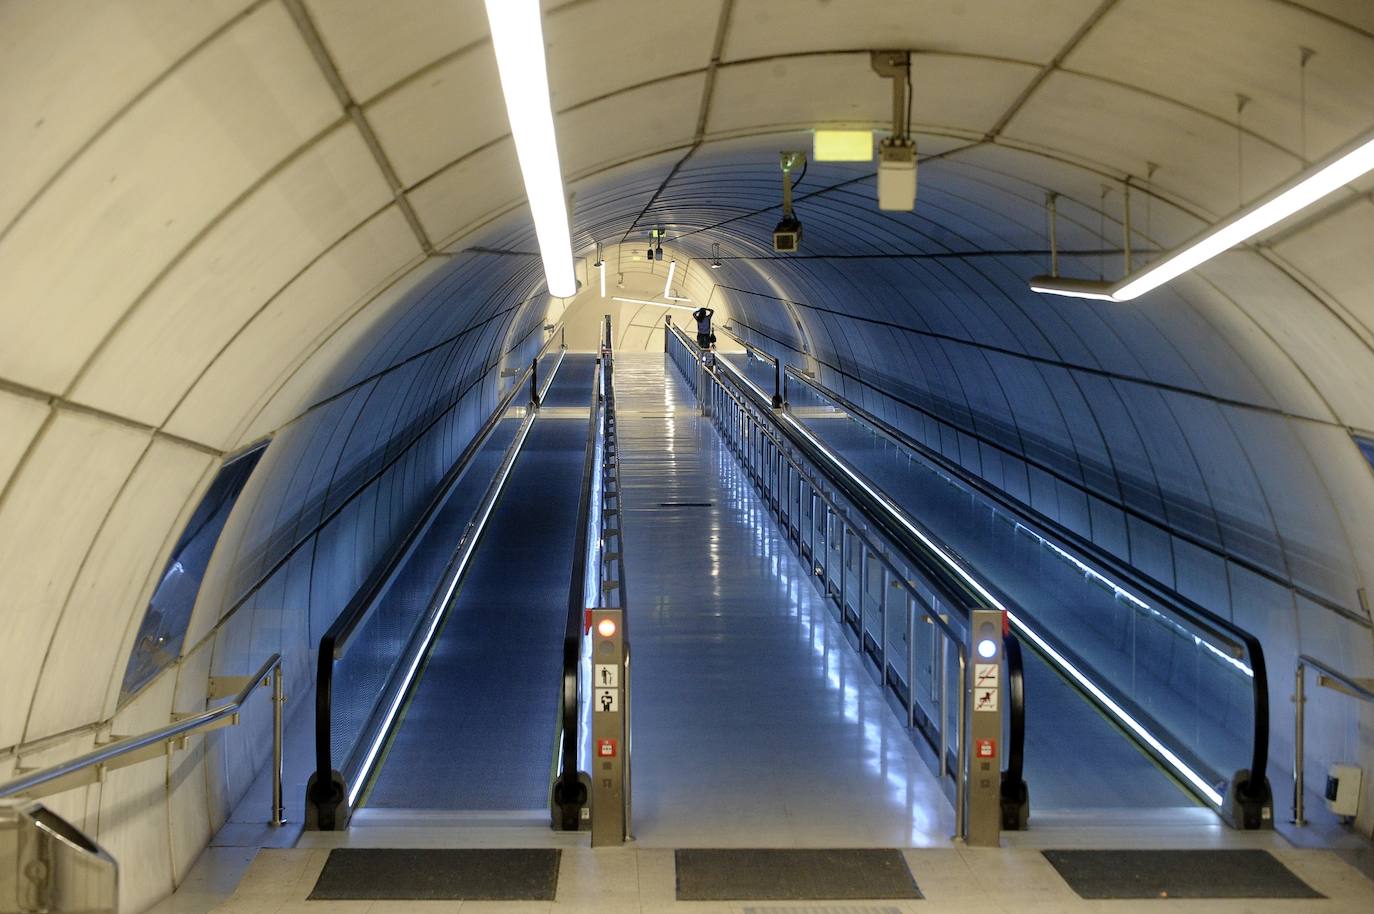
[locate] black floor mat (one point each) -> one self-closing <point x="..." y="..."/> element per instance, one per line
<point x="364" y="873"/>
<point x="793" y="875"/>
<point x="1178" y="874"/>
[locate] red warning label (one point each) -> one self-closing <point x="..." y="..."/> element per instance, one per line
<point x="605" y="748"/>
<point x="985" y="748"/>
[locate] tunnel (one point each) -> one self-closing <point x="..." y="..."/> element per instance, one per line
<point x="267" y="269"/>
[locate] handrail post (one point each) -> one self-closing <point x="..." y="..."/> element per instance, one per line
<point x="278" y="699"/>
<point x="961" y="755"/>
<point x="1300" y="702"/>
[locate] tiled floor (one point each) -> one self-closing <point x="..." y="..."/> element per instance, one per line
<point x="635" y="879"/>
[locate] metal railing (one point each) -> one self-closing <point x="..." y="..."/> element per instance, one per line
<point x="129" y="750"/>
<point x="331" y="792"/>
<point x="569" y="792"/>
<point x="1343" y="683"/>
<point x="1249" y="802"/>
<point x="812" y="503"/>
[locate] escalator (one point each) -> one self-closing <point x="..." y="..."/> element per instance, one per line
<point x="455" y="705"/>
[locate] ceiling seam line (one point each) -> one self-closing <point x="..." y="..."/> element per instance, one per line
<point x="267" y="303"/>
<point x="61" y="402"/>
<point x="1082" y="32"/>
<point x="1055" y="363"/>
<point x="125" y="108"/>
<point x="1116" y="503"/>
<point x="703" y="111"/>
<point x="310" y="34"/>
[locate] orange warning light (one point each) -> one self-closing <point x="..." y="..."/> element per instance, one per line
<point x="606" y="628"/>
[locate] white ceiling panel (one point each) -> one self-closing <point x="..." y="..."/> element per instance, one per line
<point x="302" y="387"/>
<point x="1329" y="355"/>
<point x="1032" y="30"/>
<point x="242" y="262"/>
<point x="430" y="122"/>
<point x="681" y="40"/>
<point x="376" y="45"/>
<point x="258" y="359"/>
<point x="1210" y="60"/>
<point x="629" y="125"/>
<point x="125" y="559"/>
<point x="1123" y="129"/>
<point x="842" y="88"/>
<point x="64" y="491"/>
<point x="126" y="208"/>
<point x="1335" y="253"/>
<point x="1357" y="14"/>
<point x="469" y="192"/>
<point x="67" y="68"/>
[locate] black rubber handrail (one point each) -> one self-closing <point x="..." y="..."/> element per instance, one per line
<point x="569" y="793"/>
<point x="1252" y="787"/>
<point x="325" y="790"/>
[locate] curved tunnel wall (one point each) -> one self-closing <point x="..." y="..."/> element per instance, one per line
<point x="211" y="209"/>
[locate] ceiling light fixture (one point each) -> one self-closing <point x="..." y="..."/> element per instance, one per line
<point x="1338" y="170"/>
<point x="668" y="283"/>
<point x="517" y="35"/>
<point x="842" y="146"/>
<point x="601" y="262"/>
<point x="715" y="255"/>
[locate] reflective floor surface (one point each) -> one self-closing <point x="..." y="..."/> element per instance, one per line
<point x="754" y="722"/>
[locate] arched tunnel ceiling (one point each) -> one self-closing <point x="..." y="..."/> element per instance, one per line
<point x="211" y="209"/>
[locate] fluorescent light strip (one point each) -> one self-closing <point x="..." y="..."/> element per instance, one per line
<point x="365" y="772"/>
<point x="1336" y="172"/>
<point x="517" y="35"/>
<point x="602" y="265"/>
<point x="1117" y="711"/>
<point x="668" y="283"/>
<point x="655" y="304"/>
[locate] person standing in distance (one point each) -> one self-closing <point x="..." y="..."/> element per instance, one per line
<point x="704" y="335"/>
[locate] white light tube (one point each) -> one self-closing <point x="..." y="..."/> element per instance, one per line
<point x="655" y="304"/>
<point x="517" y="35"/>
<point x="1339" y="170"/>
<point x="1337" y="173"/>
<point x="602" y="264"/>
<point x="668" y="283"/>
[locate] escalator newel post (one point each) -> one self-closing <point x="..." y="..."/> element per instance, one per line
<point x="777" y="384"/>
<point x="534" y="382"/>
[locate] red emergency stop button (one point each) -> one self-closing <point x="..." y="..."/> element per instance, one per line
<point x="985" y="748"/>
<point x="605" y="748"/>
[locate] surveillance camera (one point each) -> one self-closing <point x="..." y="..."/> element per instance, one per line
<point x="787" y="235"/>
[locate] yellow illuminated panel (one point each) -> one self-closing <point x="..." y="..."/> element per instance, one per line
<point x="843" y="146"/>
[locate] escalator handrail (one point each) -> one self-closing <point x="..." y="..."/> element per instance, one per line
<point x="1219" y="629"/>
<point x="568" y="791"/>
<point x="334" y="642"/>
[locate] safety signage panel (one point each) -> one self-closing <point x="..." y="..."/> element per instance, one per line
<point x="607" y="701"/>
<point x="606" y="675"/>
<point x="985" y="675"/>
<point x="985" y="748"/>
<point x="605" y="748"/>
<point x="985" y="699"/>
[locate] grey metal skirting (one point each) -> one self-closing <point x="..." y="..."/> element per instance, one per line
<point x="762" y="875"/>
<point x="365" y="873"/>
<point x="1178" y="874"/>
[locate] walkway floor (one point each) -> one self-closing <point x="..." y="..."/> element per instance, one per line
<point x="754" y="722"/>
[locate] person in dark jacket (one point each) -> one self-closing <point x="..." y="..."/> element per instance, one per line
<point x="704" y="336"/>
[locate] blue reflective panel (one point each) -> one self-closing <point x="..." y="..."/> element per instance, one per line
<point x="164" y="624"/>
<point x="1366" y="446"/>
